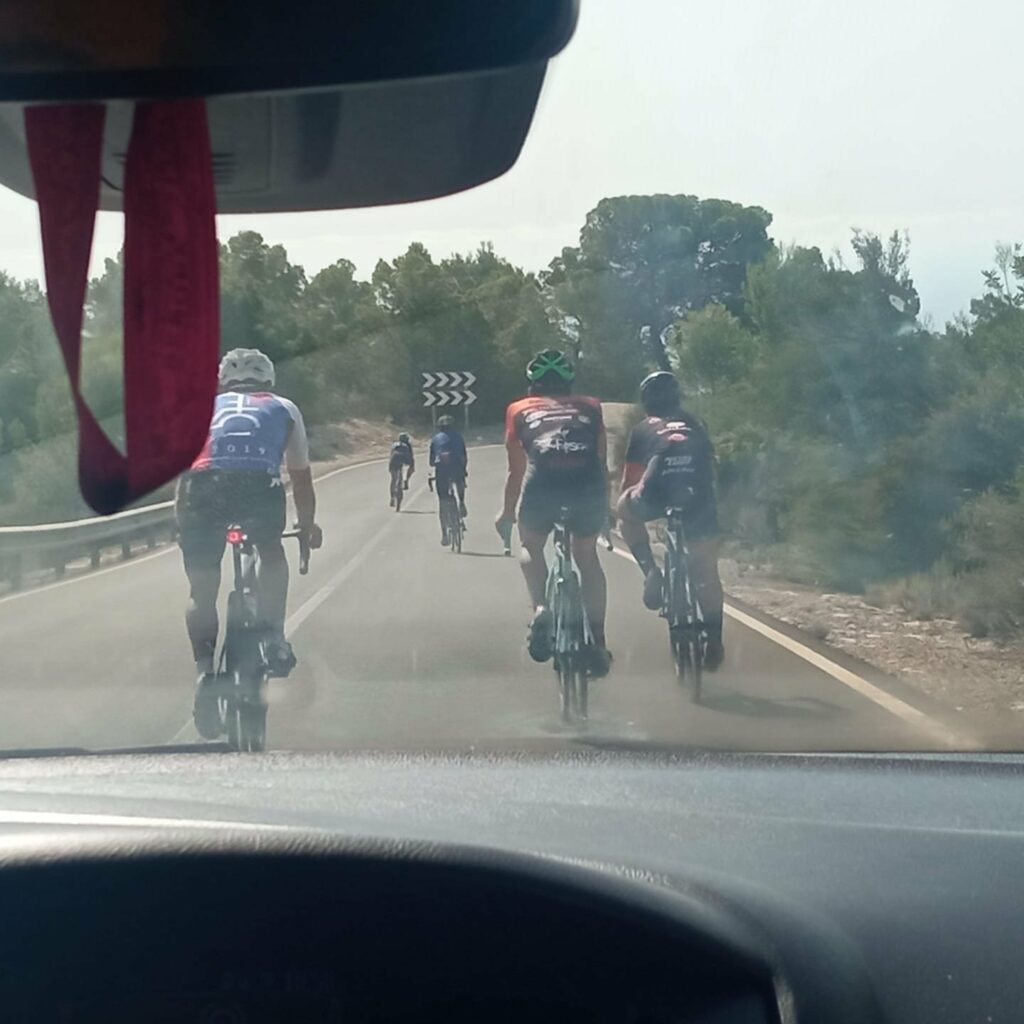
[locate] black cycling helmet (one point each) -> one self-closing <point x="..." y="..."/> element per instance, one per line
<point x="403" y="438"/>
<point x="550" y="370"/>
<point x="660" y="394"/>
<point x="445" y="421"/>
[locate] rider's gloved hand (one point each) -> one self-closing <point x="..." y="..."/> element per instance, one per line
<point x="316" y="537"/>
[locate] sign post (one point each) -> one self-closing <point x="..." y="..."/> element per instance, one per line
<point x="448" y="389"/>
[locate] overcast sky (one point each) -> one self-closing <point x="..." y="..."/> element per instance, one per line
<point x="877" y="114"/>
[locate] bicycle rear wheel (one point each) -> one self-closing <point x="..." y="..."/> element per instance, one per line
<point x="581" y="691"/>
<point x="687" y="659"/>
<point x="398" y="492"/>
<point x="683" y="632"/>
<point x="572" y="688"/>
<point x="245" y="703"/>
<point x="247" y="726"/>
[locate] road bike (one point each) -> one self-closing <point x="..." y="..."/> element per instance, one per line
<point x="452" y="522"/>
<point x="687" y="630"/>
<point x="244" y="669"/>
<point x="572" y="640"/>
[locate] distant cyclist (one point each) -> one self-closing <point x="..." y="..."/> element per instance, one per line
<point x="557" y="457"/>
<point x="237" y="479"/>
<point x="450" y="462"/>
<point x="401" y="458"/>
<point x="670" y="462"/>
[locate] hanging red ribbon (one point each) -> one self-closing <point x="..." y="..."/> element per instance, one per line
<point x="171" y="305"/>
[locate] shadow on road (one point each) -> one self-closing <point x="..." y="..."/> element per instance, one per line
<point x="417" y="512"/>
<point x="486" y="554"/>
<point x="733" y="703"/>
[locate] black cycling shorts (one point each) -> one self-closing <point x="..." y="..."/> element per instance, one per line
<point x="700" y="516"/>
<point x="209" y="501"/>
<point x="545" y="496"/>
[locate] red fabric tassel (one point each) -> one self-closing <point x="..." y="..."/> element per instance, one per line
<point x="171" y="296"/>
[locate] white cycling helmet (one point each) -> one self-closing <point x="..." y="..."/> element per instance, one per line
<point x="246" y="366"/>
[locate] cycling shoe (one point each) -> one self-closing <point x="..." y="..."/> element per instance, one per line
<point x="599" y="662"/>
<point x="205" y="710"/>
<point x="539" y="641"/>
<point x="654" y="585"/>
<point x="280" y="657"/>
<point x="714" y="654"/>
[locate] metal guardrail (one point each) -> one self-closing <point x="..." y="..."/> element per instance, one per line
<point x="51" y="546"/>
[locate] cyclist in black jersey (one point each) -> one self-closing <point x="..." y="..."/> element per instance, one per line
<point x="401" y="458"/>
<point x="670" y="462"/>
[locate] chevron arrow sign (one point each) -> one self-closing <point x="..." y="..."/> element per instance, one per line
<point x="448" y="388"/>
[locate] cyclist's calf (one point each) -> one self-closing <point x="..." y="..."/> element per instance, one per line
<point x="273" y="584"/>
<point x="533" y="563"/>
<point x="593" y="584"/>
<point x="633" y="530"/>
<point x="704" y="566"/>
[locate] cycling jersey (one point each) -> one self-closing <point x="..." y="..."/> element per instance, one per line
<point x="560" y="433"/>
<point x="254" y="432"/>
<point x="448" y="453"/>
<point x="563" y="438"/>
<point x="401" y="455"/>
<point x="674" y="459"/>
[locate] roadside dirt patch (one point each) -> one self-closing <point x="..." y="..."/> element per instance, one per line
<point x="935" y="656"/>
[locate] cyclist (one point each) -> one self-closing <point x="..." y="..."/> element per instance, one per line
<point x="237" y="479"/>
<point x="401" y="458"/>
<point x="670" y="462"/>
<point x="557" y="457"/>
<point x="450" y="461"/>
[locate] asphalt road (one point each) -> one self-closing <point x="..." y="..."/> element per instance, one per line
<point x="402" y="644"/>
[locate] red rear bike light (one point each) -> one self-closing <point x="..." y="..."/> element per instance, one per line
<point x="236" y="536"/>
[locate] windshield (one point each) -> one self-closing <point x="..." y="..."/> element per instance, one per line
<point x="797" y="224"/>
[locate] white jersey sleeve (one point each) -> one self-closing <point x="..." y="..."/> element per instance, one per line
<point x="296" y="452"/>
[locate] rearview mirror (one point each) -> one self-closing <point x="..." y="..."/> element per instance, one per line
<point x="108" y="49"/>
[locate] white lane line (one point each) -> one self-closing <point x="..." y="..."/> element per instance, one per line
<point x="187" y="733"/>
<point x="303" y="612"/>
<point x="900" y="709"/>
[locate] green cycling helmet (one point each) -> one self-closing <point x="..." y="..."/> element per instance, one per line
<point x="445" y="421"/>
<point x="550" y="362"/>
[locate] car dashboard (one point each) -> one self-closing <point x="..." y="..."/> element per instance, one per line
<point x="592" y="886"/>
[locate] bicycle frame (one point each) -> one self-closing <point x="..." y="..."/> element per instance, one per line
<point x="243" y="659"/>
<point x="687" y="633"/>
<point x="572" y="633"/>
<point x="449" y="509"/>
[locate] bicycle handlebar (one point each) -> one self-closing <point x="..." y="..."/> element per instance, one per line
<point x="303" y="538"/>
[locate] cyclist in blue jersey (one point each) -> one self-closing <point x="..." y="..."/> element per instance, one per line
<point x="237" y="479"/>
<point x="449" y="461"/>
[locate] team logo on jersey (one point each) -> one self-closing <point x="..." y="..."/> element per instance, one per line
<point x="559" y="441"/>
